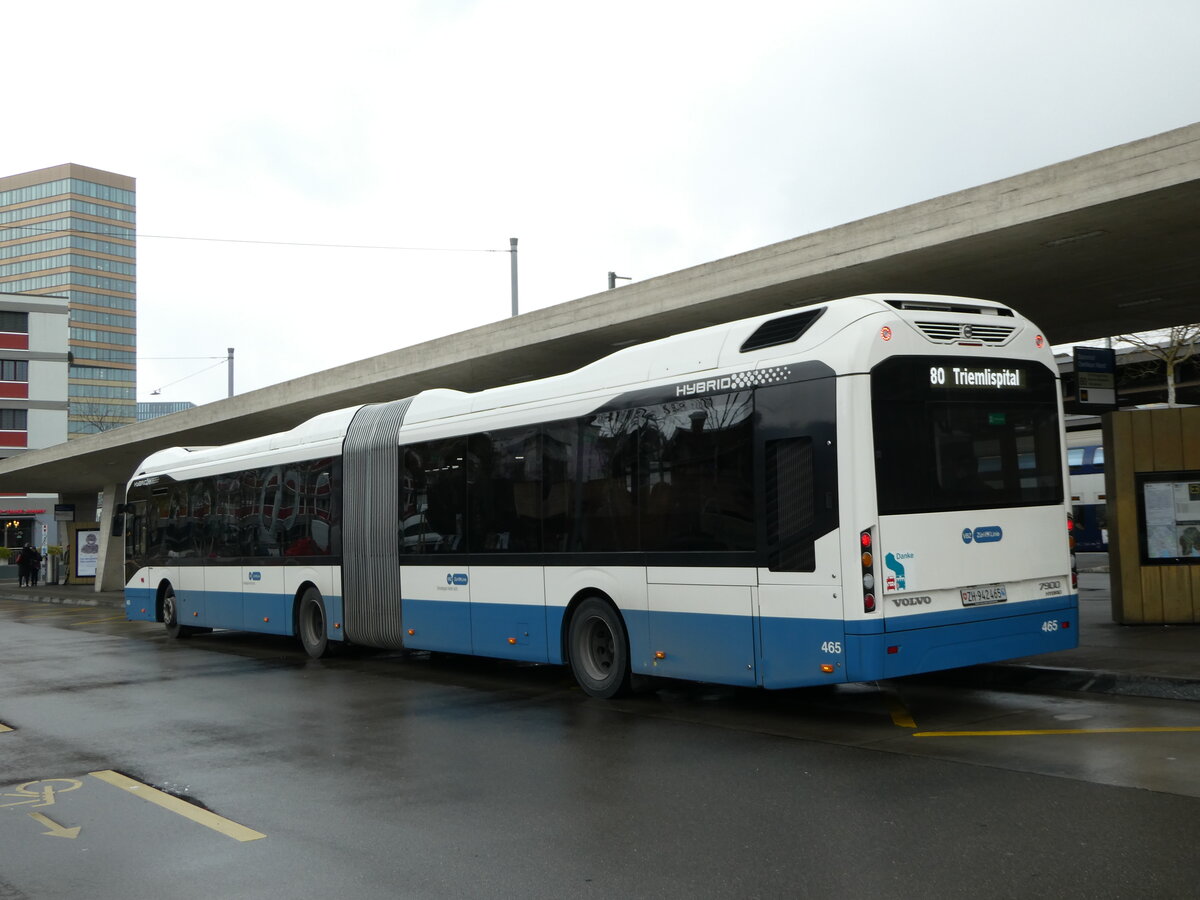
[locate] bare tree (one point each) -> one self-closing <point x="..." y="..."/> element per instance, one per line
<point x="1172" y="346"/>
<point x="103" y="416"/>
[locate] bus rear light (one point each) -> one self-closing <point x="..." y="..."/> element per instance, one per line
<point x="893" y="649"/>
<point x="867" y="541"/>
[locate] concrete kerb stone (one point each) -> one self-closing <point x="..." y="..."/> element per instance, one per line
<point x="47" y="594"/>
<point x="1034" y="678"/>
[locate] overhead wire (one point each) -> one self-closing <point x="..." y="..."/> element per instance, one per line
<point x="175" y="237"/>
<point x="161" y="388"/>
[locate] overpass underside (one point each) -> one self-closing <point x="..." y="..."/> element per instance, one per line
<point x="1095" y="246"/>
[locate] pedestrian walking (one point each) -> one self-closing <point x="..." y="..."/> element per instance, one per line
<point x="35" y="564"/>
<point x="22" y="568"/>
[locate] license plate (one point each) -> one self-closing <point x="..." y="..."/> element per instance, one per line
<point x="988" y="593"/>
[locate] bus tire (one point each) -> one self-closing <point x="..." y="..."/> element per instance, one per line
<point x="170" y="616"/>
<point x="598" y="649"/>
<point x="311" y="623"/>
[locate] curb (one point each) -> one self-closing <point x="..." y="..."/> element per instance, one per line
<point x="84" y="600"/>
<point x="1052" y="678"/>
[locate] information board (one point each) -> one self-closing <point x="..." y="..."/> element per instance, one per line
<point x="1169" y="503"/>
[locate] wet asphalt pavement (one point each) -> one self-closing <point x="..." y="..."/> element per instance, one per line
<point x="375" y="775"/>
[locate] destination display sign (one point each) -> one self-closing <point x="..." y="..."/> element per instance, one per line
<point x="999" y="377"/>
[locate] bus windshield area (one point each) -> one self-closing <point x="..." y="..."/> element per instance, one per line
<point x="951" y="435"/>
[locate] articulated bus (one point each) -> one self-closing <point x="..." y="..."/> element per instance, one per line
<point x="861" y="489"/>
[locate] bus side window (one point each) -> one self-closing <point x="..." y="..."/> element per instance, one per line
<point x="790" y="505"/>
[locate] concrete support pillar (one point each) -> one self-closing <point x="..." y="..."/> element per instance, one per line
<point x="110" y="564"/>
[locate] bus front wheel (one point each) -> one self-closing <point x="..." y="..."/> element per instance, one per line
<point x="599" y="649"/>
<point x="170" y="616"/>
<point x="311" y="623"/>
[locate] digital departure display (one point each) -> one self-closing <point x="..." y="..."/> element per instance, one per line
<point x="978" y="377"/>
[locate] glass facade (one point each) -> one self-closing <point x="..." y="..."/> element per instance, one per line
<point x="69" y="231"/>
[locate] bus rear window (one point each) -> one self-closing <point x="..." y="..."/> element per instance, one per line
<point x="950" y="434"/>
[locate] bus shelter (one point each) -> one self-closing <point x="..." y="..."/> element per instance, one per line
<point x="1152" y="479"/>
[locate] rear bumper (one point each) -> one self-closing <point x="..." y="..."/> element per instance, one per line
<point x="928" y="644"/>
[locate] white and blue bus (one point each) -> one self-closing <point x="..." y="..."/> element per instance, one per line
<point x="861" y="489"/>
<point x="1089" y="504"/>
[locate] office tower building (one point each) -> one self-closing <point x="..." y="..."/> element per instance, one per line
<point x="69" y="231"/>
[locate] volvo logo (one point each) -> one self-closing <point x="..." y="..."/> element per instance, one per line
<point x="912" y="601"/>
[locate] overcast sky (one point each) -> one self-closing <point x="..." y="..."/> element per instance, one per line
<point x="640" y="137"/>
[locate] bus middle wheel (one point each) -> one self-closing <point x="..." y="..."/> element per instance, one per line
<point x="599" y="650"/>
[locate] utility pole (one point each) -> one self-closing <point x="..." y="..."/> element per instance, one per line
<point x="230" y="371"/>
<point x="512" y="243"/>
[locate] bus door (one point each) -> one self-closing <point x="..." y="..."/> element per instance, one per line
<point x="140" y="588"/>
<point x="800" y="612"/>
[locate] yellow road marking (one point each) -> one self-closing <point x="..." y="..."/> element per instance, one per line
<point x="49" y="788"/>
<point x="4" y="728"/>
<point x="180" y="807"/>
<point x="1148" y="730"/>
<point x="98" y="621"/>
<point x="901" y="717"/>
<point x="56" y="830"/>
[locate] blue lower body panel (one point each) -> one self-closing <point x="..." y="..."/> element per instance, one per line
<point x="437" y="625"/>
<point x="261" y="613"/>
<point x="509" y="631"/>
<point x="141" y="604"/>
<point x="927" y="649"/>
<point x="793" y="651"/>
<point x="702" y="647"/>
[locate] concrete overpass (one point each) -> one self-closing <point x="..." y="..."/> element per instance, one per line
<point x="1095" y="246"/>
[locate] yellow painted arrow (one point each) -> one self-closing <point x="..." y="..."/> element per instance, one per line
<point x="56" y="830"/>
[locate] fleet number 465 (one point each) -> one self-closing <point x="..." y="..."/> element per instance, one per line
<point x="831" y="647"/>
<point x="1050" y="625"/>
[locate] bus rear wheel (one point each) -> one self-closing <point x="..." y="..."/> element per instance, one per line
<point x="599" y="650"/>
<point x="311" y="623"/>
